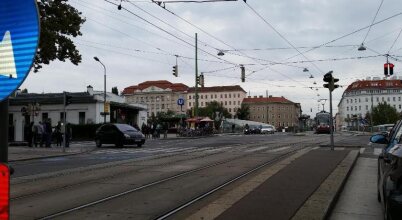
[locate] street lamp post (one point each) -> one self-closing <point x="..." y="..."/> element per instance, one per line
<point x="104" y="89"/>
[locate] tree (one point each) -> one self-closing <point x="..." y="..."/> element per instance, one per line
<point x="24" y="90"/>
<point x="243" y="112"/>
<point x="59" y="21"/>
<point x="115" y="90"/>
<point x="384" y="113"/>
<point x="211" y="108"/>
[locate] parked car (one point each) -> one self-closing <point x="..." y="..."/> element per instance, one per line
<point x="267" y="129"/>
<point x="389" y="185"/>
<point x="119" y="135"/>
<point x="252" y="129"/>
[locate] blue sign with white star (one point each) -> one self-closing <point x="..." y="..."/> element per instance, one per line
<point x="19" y="38"/>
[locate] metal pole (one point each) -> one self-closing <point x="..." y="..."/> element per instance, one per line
<point x="4" y="131"/>
<point x="371" y="112"/>
<point x="64" y="122"/>
<point x="104" y="94"/>
<point x="331" y="122"/>
<point x="196" y="76"/>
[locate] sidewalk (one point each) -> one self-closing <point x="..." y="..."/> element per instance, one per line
<point x="18" y="153"/>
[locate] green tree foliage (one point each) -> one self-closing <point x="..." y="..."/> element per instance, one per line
<point x="59" y="21"/>
<point x="115" y="90"/>
<point x="243" y="112"/>
<point x="384" y="113"/>
<point x="211" y="108"/>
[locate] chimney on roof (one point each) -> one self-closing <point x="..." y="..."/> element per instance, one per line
<point x="90" y="90"/>
<point x="261" y="96"/>
<point x="248" y="96"/>
<point x="270" y="96"/>
<point x="255" y="96"/>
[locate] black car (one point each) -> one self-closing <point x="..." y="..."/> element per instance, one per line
<point x="119" y="135"/>
<point x="252" y="129"/>
<point x="389" y="187"/>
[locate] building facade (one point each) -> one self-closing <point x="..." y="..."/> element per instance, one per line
<point x="158" y="96"/>
<point x="230" y="97"/>
<point x="277" y="111"/>
<point x="363" y="95"/>
<point x="85" y="108"/>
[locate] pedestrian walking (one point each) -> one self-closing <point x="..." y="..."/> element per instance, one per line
<point x="68" y="134"/>
<point x="58" y="134"/>
<point x="41" y="134"/>
<point x="48" y="133"/>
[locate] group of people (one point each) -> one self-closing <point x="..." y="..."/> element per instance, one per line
<point x="154" y="130"/>
<point x="43" y="134"/>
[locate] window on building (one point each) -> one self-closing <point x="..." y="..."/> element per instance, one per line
<point x="230" y="109"/>
<point x="366" y="99"/>
<point x="221" y="96"/>
<point x="202" y="96"/>
<point x="212" y="96"/>
<point x="226" y="95"/>
<point x="366" y="107"/>
<point x="189" y="103"/>
<point x="347" y="101"/>
<point x="378" y="99"/>
<point x="189" y="97"/>
<point x="394" y="99"/>
<point x="202" y="103"/>
<point x="388" y="99"/>
<point x="360" y="108"/>
<point x="399" y="98"/>
<point x="382" y="99"/>
<point x="216" y="96"/>
<point x="230" y="95"/>
<point x="221" y="102"/>
<point x="355" y="108"/>
<point x="238" y="102"/>
<point x="81" y="118"/>
<point x="351" y="100"/>
<point x="230" y="102"/>
<point x="238" y="95"/>
<point x="400" y="106"/>
<point x="226" y="103"/>
<point x="163" y="106"/>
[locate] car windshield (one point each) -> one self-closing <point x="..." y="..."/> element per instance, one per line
<point x="125" y="127"/>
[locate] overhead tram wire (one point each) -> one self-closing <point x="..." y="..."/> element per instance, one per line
<point x="177" y="29"/>
<point x="167" y="32"/>
<point x="347" y="35"/>
<point x="205" y="32"/>
<point x="396" y="39"/>
<point x="120" y="20"/>
<point x="375" y="16"/>
<point x="283" y="37"/>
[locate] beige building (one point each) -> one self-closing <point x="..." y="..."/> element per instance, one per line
<point x="230" y="97"/>
<point x="159" y="96"/>
<point x="277" y="111"/>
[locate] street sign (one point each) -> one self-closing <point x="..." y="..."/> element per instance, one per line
<point x="180" y="101"/>
<point x="19" y="38"/>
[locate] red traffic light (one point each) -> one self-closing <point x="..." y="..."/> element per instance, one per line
<point x="4" y="191"/>
<point x="391" y="68"/>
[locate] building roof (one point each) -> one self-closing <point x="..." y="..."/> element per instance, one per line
<point x="235" y="88"/>
<point x="271" y="99"/>
<point x="50" y="98"/>
<point x="374" y="84"/>
<point x="163" y="84"/>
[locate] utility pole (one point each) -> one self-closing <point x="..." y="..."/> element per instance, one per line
<point x="196" y="77"/>
<point x="4" y="131"/>
<point x="266" y="93"/>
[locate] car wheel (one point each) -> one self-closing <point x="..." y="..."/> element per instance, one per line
<point x="98" y="143"/>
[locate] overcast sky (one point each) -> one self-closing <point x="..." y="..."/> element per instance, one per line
<point x="274" y="52"/>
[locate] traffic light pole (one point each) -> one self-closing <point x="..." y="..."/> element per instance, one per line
<point x="331" y="121"/>
<point x="4" y="131"/>
<point x="196" y="77"/>
<point x="64" y="121"/>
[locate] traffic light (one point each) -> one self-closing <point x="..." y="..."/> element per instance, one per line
<point x="330" y="81"/>
<point x="197" y="80"/>
<point x="327" y="78"/>
<point x="243" y="73"/>
<point x="201" y="80"/>
<point x="4" y="191"/>
<point x="175" y="70"/>
<point x="388" y="69"/>
<point x="67" y="99"/>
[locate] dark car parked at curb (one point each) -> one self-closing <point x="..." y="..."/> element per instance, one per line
<point x="252" y="129"/>
<point x="389" y="185"/>
<point x="119" y="135"/>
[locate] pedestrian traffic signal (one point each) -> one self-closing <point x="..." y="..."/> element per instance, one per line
<point x="4" y="191"/>
<point x="243" y="73"/>
<point x="175" y="70"/>
<point x="67" y="99"/>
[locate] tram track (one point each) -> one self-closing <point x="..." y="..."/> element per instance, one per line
<point x="161" y="181"/>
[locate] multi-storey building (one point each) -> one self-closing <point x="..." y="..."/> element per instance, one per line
<point x="230" y="97"/>
<point x="159" y="96"/>
<point x="363" y="95"/>
<point x="277" y="111"/>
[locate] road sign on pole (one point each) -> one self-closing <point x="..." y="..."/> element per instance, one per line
<point x="19" y="38"/>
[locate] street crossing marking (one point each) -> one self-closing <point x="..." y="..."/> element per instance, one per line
<point x="279" y="149"/>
